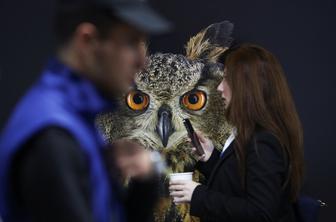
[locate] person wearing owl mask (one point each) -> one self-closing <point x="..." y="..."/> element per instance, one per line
<point x="258" y="174"/>
<point x="52" y="166"/>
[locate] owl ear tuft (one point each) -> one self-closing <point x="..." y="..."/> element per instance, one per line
<point x="211" y="42"/>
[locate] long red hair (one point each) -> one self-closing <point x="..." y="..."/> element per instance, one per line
<point x="261" y="98"/>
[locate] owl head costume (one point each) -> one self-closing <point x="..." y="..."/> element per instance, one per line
<point x="171" y="88"/>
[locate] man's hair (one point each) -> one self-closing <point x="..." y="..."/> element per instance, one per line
<point x="71" y="13"/>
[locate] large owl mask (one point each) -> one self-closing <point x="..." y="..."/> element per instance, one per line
<point x="171" y="88"/>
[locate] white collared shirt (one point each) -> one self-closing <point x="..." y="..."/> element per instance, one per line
<point x="230" y="139"/>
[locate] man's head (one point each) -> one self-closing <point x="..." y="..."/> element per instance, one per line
<point x="95" y="39"/>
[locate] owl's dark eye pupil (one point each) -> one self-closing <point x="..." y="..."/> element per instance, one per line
<point x="193" y="99"/>
<point x="138" y="99"/>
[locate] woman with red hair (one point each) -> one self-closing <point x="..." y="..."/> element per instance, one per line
<point x="258" y="174"/>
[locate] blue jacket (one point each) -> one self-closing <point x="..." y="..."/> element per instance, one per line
<point x="63" y="99"/>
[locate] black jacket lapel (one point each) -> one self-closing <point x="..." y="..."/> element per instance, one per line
<point x="227" y="153"/>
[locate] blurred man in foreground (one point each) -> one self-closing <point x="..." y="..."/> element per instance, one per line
<point x="51" y="162"/>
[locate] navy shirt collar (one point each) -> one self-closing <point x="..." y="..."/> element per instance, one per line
<point x="81" y="93"/>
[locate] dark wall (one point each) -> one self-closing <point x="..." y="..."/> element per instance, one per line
<point x="301" y="34"/>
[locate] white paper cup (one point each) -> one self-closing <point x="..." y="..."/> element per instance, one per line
<point x="181" y="176"/>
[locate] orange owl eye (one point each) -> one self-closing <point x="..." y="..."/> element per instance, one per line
<point x="137" y="100"/>
<point x="194" y="100"/>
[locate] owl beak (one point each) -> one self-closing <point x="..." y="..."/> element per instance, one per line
<point x="164" y="126"/>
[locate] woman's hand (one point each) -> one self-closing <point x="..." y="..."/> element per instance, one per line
<point x="181" y="191"/>
<point x="207" y="146"/>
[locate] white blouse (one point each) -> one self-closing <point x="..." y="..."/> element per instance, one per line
<point x="229" y="140"/>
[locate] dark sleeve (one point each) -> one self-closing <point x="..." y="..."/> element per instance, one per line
<point x="51" y="178"/>
<point x="141" y="199"/>
<point x="206" y="167"/>
<point x="264" y="176"/>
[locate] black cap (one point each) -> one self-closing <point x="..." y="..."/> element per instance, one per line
<point x="137" y="13"/>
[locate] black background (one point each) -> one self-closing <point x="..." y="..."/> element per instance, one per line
<point x="300" y="33"/>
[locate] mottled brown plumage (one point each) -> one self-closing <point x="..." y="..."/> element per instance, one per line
<point x="165" y="80"/>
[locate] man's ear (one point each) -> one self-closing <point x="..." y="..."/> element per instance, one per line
<point x="85" y="35"/>
<point x="144" y="48"/>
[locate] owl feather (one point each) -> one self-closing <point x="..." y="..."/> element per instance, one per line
<point x="210" y="43"/>
<point x="166" y="80"/>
